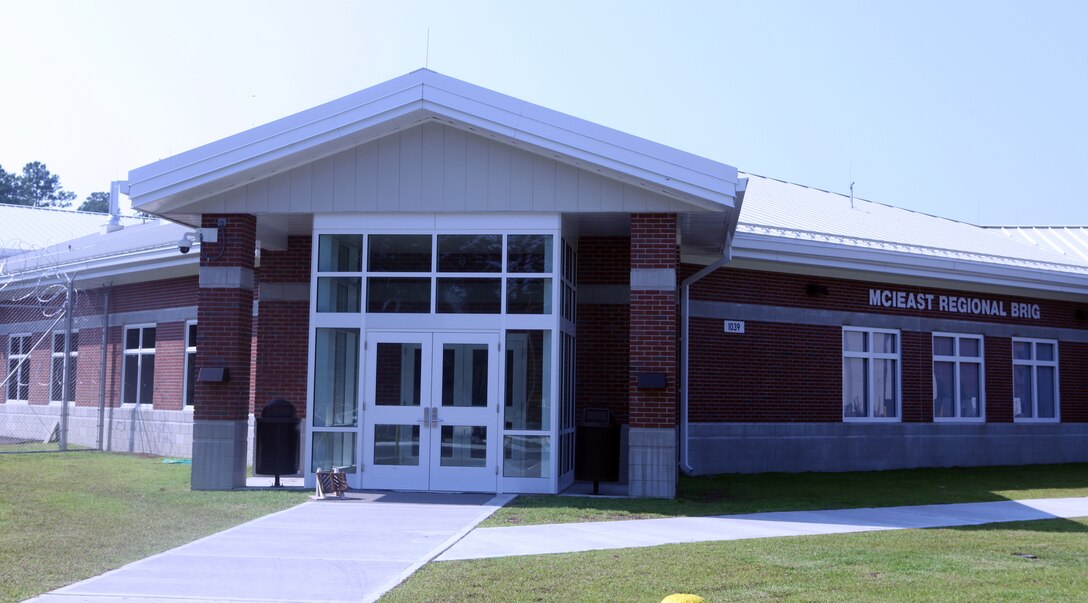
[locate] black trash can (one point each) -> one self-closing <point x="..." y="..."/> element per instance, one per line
<point x="277" y="437"/>
<point x="597" y="448"/>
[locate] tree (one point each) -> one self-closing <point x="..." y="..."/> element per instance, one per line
<point x="9" y="187"/>
<point x="41" y="188"/>
<point x="97" y="202"/>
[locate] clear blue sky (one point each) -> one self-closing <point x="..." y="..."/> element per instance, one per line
<point x="972" y="110"/>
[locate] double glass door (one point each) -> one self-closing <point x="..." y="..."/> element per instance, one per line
<point x="431" y="411"/>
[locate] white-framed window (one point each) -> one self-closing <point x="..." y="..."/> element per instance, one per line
<point x="139" y="369"/>
<point x="190" y="363"/>
<point x="870" y="374"/>
<point x="958" y="390"/>
<point x="18" y="367"/>
<point x="1035" y="380"/>
<point x="56" y="367"/>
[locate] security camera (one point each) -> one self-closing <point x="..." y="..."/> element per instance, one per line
<point x="203" y="235"/>
<point x="184" y="245"/>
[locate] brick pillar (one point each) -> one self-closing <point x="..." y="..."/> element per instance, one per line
<point x="225" y="328"/>
<point x="653" y="354"/>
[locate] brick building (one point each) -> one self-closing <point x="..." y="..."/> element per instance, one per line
<point x="442" y="278"/>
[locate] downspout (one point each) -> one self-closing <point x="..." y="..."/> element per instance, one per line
<point x="685" y="300"/>
<point x="102" y="367"/>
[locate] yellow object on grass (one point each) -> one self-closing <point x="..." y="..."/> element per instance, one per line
<point x="683" y="598"/>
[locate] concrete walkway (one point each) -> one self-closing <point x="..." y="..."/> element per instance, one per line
<point x="573" y="537"/>
<point x="333" y="550"/>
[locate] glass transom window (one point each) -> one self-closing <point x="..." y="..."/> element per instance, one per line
<point x="435" y="273"/>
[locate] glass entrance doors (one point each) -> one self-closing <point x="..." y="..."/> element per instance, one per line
<point x="431" y="411"/>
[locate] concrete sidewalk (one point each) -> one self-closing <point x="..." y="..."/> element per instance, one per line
<point x="573" y="537"/>
<point x="333" y="550"/>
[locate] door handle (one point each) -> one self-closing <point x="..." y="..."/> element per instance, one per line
<point x="426" y="419"/>
<point x="434" y="416"/>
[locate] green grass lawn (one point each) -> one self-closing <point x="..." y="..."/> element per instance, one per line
<point x="729" y="494"/>
<point x="69" y="516"/>
<point x="978" y="563"/>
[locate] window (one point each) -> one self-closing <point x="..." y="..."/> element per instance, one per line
<point x="139" y="368"/>
<point x="1035" y="379"/>
<point x="190" y="362"/>
<point x="56" y="370"/>
<point x="870" y="374"/>
<point x="957" y="377"/>
<point x="19" y="367"/>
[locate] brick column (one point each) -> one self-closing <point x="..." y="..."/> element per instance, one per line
<point x="224" y="331"/>
<point x="653" y="357"/>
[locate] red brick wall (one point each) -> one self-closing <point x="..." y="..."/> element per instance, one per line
<point x="601" y="380"/>
<point x="793" y="373"/>
<point x="282" y="329"/>
<point x="653" y="323"/>
<point x="154" y="295"/>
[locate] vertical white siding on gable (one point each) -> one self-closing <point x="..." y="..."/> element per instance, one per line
<point x="438" y="168"/>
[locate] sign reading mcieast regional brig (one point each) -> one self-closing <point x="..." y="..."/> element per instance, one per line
<point x="918" y="300"/>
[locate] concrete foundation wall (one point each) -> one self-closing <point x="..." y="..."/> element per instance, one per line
<point x="795" y="447"/>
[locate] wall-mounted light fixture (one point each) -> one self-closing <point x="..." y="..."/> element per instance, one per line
<point x="816" y="290"/>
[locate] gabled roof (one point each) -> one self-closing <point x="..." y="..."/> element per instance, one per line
<point x="1070" y="241"/>
<point x="24" y="228"/>
<point x="413" y="99"/>
<point x="790" y="223"/>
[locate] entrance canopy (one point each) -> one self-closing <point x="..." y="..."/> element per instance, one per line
<point x="425" y="142"/>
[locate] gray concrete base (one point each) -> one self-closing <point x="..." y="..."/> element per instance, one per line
<point x="794" y="447"/>
<point x="127" y="429"/>
<point x="219" y="455"/>
<point x="651" y="468"/>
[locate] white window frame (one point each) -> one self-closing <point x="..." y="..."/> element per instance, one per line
<point x="190" y="348"/>
<point x="870" y="356"/>
<point x="24" y="361"/>
<point x="1035" y="363"/>
<point x="74" y="354"/>
<point x="141" y="351"/>
<point x="956" y="360"/>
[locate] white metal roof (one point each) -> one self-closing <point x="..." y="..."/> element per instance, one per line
<point x="412" y="99"/>
<point x="790" y="223"/>
<point x="1070" y="241"/>
<point x="24" y="228"/>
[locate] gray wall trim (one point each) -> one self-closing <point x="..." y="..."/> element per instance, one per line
<point x="838" y="318"/>
<point x="226" y="277"/>
<point x="285" y="292"/>
<point x="604" y="294"/>
<point x="94" y="321"/>
<point x="155" y="316"/>
<point x="794" y="447"/>
<point x="653" y="279"/>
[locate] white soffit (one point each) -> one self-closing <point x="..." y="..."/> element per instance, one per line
<point x="412" y="99"/>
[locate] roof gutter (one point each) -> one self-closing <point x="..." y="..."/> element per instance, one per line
<point x="685" y="299"/>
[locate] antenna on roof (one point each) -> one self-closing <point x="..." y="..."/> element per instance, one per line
<point x="427" y="57"/>
<point x="851" y="195"/>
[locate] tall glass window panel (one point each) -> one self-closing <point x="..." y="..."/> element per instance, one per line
<point x="190" y="363"/>
<point x="399" y="253"/>
<point x="139" y="366"/>
<point x="396" y="445"/>
<point x="944" y="389"/>
<point x="398" y="374"/>
<point x="398" y="295"/>
<point x="1045" y="404"/>
<point x="527" y="399"/>
<point x="469" y="296"/>
<point x="885" y="388"/>
<point x="336" y="377"/>
<point x="855" y="388"/>
<point x="333" y="450"/>
<point x="970" y="390"/>
<point x="529" y="253"/>
<point x="470" y="253"/>
<point x="528" y="296"/>
<point x="526" y="456"/>
<point x="1022" y="393"/>
<point x="464" y="374"/>
<point x="340" y="253"/>
<point x="56" y="393"/>
<point x="339" y="293"/>
<point x="19" y="367"/>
